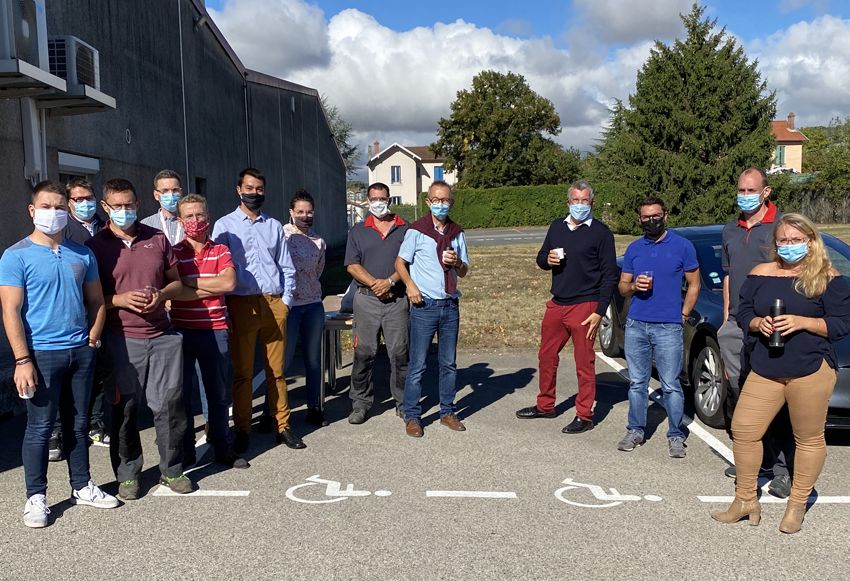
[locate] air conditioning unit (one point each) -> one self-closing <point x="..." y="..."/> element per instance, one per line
<point x="75" y="61"/>
<point x="23" y="31"/>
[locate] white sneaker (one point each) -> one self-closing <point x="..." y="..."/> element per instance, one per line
<point x="36" y="511"/>
<point x="91" y="495"/>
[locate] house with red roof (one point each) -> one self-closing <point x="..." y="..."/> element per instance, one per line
<point x="407" y="170"/>
<point x="788" y="154"/>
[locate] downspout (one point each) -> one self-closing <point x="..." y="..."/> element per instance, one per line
<point x="183" y="90"/>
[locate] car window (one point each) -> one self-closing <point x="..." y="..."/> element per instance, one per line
<point x="840" y="261"/>
<point x="710" y="267"/>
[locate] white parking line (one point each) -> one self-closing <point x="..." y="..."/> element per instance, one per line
<point x="695" y="427"/>
<point x="468" y="494"/>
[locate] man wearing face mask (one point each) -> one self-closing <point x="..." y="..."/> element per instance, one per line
<point x="747" y="242"/>
<point x="200" y="315"/>
<point x="258" y="306"/>
<point x="53" y="316"/>
<point x="167" y="189"/>
<point x="579" y="250"/>
<point x="431" y="259"/>
<point x="380" y="305"/>
<point x="138" y="272"/>
<point x="653" y="269"/>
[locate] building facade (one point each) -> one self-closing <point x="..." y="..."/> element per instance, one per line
<point x="788" y="154"/>
<point x="407" y="170"/>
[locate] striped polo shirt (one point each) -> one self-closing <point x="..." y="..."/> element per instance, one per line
<point x="212" y="260"/>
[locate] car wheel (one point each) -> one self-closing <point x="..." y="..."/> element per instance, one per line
<point x="610" y="334"/>
<point x="709" y="385"/>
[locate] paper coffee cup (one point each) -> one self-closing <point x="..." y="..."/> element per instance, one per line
<point x="560" y="253"/>
<point x="28" y="393"/>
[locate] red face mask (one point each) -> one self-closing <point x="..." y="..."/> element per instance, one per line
<point x="196" y="229"/>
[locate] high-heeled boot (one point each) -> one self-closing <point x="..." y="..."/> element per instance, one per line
<point x="738" y="510"/>
<point x="792" y="522"/>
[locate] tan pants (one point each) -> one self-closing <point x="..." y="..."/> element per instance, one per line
<point x="260" y="317"/>
<point x="760" y="401"/>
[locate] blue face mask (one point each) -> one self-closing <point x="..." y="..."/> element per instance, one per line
<point x="122" y="218"/>
<point x="169" y="201"/>
<point x="580" y="212"/>
<point x="793" y="253"/>
<point x="440" y="211"/>
<point x="749" y="202"/>
<point x="85" y="209"/>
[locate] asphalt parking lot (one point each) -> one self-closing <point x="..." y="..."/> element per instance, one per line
<point x="506" y="499"/>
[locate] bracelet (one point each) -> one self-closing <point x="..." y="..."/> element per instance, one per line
<point x="23" y="361"/>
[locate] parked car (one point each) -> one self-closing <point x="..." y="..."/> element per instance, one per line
<point x="702" y="371"/>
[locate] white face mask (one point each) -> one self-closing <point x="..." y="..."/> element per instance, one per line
<point x="50" y="220"/>
<point x="379" y="208"/>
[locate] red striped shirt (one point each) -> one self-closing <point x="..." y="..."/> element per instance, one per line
<point x="212" y="260"/>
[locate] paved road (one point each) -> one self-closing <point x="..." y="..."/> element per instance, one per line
<point x="516" y="527"/>
<point x="506" y="236"/>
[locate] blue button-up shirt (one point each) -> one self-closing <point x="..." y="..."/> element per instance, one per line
<point x="258" y="248"/>
<point x="425" y="267"/>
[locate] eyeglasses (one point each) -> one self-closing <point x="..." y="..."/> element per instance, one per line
<point x="131" y="206"/>
<point x="791" y="241"/>
<point x="653" y="217"/>
<point x="448" y="201"/>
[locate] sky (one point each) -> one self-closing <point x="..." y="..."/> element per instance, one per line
<point x="393" y="68"/>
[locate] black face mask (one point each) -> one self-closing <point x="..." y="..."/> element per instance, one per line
<point x="653" y="228"/>
<point x="252" y="201"/>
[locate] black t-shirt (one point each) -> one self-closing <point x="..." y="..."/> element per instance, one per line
<point x="370" y="250"/>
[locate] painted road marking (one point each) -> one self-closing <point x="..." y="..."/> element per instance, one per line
<point x="695" y="427"/>
<point x="333" y="490"/>
<point x="468" y="494"/>
<point x="614" y="498"/>
<point x="165" y="491"/>
<point x="813" y="499"/>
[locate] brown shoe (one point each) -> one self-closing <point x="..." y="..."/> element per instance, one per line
<point x="792" y="522"/>
<point x="739" y="510"/>
<point x="452" y="423"/>
<point x="413" y="429"/>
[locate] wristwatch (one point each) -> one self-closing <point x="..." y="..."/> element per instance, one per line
<point x="391" y="281"/>
<point x="95" y="344"/>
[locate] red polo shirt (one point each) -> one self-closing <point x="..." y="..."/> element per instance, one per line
<point x="126" y="268"/>
<point x="212" y="260"/>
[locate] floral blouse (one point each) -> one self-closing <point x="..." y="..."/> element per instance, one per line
<point x="308" y="256"/>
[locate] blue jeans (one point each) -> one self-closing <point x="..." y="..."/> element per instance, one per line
<point x="665" y="342"/>
<point x="64" y="387"/>
<point x="440" y="317"/>
<point x="307" y="322"/>
<point x="211" y="350"/>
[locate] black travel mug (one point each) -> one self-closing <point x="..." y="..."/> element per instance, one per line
<point x="777" y="309"/>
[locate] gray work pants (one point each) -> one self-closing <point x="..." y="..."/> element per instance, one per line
<point x="153" y="367"/>
<point x="778" y="441"/>
<point x="371" y="318"/>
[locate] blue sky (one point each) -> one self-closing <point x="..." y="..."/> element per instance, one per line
<point x="393" y="68"/>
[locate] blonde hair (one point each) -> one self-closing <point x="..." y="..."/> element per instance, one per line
<point x="816" y="268"/>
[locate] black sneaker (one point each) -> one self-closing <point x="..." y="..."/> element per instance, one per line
<point x="578" y="426"/>
<point x="128" y="490"/>
<point x="98" y="437"/>
<point x="179" y="484"/>
<point x="358" y="416"/>
<point x="732" y="472"/>
<point x="54" y="449"/>
<point x="231" y="459"/>
<point x="780" y="487"/>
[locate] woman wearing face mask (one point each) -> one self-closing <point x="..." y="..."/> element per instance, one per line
<point x="801" y="373"/>
<point x="306" y="320"/>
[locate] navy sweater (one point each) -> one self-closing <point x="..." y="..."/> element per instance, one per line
<point x="589" y="272"/>
<point x="803" y="352"/>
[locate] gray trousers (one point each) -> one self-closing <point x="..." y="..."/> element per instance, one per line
<point x="371" y="317"/>
<point x="153" y="368"/>
<point x="778" y="441"/>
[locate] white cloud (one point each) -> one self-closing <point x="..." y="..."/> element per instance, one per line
<point x="809" y="67"/>
<point x="620" y="21"/>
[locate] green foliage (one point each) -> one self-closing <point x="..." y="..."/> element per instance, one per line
<point x="506" y="206"/>
<point x="406" y="211"/>
<point x="342" y="133"/>
<point x="699" y="116"/>
<point x="495" y="135"/>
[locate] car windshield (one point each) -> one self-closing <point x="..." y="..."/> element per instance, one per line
<point x="708" y="255"/>
<point x="839" y="255"/>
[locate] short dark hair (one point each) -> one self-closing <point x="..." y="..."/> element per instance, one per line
<point x="380" y="186"/>
<point x="254" y="173"/>
<point x="653" y="201"/>
<point x="50" y="187"/>
<point x="118" y="185"/>
<point x="301" y="195"/>
<point x="191" y="199"/>
<point x="78" y="183"/>
<point x="758" y="170"/>
<point x="442" y="184"/>
<point x="167" y="174"/>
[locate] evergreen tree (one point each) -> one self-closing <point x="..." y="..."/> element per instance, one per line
<point x="495" y="135"/>
<point x="699" y="116"/>
<point x="342" y="133"/>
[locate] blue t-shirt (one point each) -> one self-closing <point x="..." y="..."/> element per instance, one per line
<point x="53" y="311"/>
<point x="425" y="267"/>
<point x="668" y="259"/>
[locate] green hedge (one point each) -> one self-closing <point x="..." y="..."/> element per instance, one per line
<point x="506" y="206"/>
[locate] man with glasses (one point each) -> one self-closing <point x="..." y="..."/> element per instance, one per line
<point x="579" y="251"/>
<point x="167" y="189"/>
<point x="430" y="260"/>
<point x="747" y="241"/>
<point x="138" y="272"/>
<point x="653" y="269"/>
<point x="380" y="304"/>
